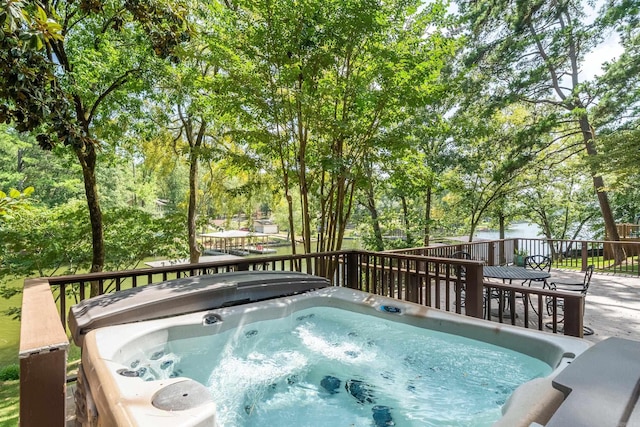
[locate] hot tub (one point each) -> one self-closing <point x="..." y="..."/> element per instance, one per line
<point x="318" y="355"/>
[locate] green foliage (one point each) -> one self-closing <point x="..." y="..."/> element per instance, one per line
<point x="132" y="235"/>
<point x="7" y="293"/>
<point x="535" y="53"/>
<point x="315" y="103"/>
<point x="330" y="79"/>
<point x="67" y="93"/>
<point x="488" y="162"/>
<point x="10" y="373"/>
<point x="561" y="203"/>
<point x="46" y="242"/>
<point x="54" y="176"/>
<point x="13" y="203"/>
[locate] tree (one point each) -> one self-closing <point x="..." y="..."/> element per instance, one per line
<point x="617" y="113"/>
<point x="323" y="80"/>
<point x="369" y="201"/>
<point x="430" y="136"/>
<point x="64" y="65"/>
<point x="532" y="52"/>
<point x="560" y="201"/>
<point x="490" y="159"/>
<point x="43" y="241"/>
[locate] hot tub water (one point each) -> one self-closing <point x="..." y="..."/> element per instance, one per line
<point x="326" y="366"/>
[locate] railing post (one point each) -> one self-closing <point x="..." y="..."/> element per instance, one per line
<point x="474" y="291"/>
<point x="584" y="252"/>
<point x="352" y="270"/>
<point x="491" y="256"/>
<point x="573" y="316"/>
<point x="43" y="358"/>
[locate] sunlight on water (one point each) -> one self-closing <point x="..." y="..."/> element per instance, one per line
<point x="332" y="367"/>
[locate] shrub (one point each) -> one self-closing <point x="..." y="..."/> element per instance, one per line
<point x="10" y="372"/>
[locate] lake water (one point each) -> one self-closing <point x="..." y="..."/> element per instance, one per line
<point x="522" y="230"/>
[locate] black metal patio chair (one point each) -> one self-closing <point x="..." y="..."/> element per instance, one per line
<point x="582" y="287"/>
<point x="538" y="262"/>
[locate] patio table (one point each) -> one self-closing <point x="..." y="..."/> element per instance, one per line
<point x="511" y="273"/>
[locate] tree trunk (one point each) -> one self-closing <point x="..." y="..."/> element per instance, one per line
<point x="194" y="251"/>
<point x="292" y="232"/>
<point x="427" y="217"/>
<point x="405" y="215"/>
<point x="87" y="158"/>
<point x="474" y="224"/>
<point x="375" y="219"/>
<point x="19" y="168"/>
<point x="611" y="231"/>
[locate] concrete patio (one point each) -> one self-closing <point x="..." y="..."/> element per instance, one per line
<point x="612" y="305"/>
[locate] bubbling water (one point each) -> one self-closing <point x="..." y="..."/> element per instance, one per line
<point x="326" y="366"/>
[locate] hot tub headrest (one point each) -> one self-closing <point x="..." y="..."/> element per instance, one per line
<point x="186" y="295"/>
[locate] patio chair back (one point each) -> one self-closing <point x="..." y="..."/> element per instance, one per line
<point x="538" y="262"/>
<point x="583" y="288"/>
<point x="587" y="278"/>
<point x="460" y="255"/>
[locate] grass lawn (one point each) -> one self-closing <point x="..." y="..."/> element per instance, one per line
<point x="9" y="328"/>
<point x="601" y="264"/>
<point x="9" y="408"/>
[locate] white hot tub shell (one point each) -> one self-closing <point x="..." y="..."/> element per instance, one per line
<point x="111" y="397"/>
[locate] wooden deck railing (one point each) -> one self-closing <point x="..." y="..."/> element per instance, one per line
<point x="578" y="254"/>
<point x="628" y="231"/>
<point x="569" y="254"/>
<point x="491" y="252"/>
<point x="428" y="280"/>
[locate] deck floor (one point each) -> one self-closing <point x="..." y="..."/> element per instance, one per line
<point x="612" y="306"/>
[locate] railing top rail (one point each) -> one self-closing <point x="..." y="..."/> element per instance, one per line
<point x="440" y="260"/>
<point x="40" y="327"/>
<point x="85" y="277"/>
<point x="614" y="242"/>
<point x="451" y="245"/>
<point x="539" y="239"/>
<point x="107" y="275"/>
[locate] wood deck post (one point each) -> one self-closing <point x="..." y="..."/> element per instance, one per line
<point x="474" y="291"/>
<point x="573" y="316"/>
<point x="352" y="270"/>
<point x="584" y="253"/>
<point x="491" y="255"/>
<point x="43" y="358"/>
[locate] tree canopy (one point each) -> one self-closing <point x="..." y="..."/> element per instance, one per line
<point x="407" y="118"/>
